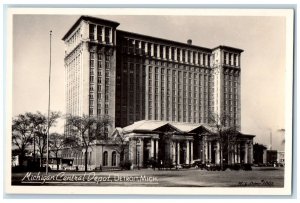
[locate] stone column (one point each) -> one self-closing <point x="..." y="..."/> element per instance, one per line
<point x="251" y="153"/>
<point x="186" y="56"/>
<point x="206" y="152"/>
<point x="95" y="33"/>
<point x="164" y="52"/>
<point x="192" y="57"/>
<point x="196" y="58"/>
<point x="146" y="47"/>
<point x="246" y="153"/>
<point x="218" y="153"/>
<point x="180" y="52"/>
<point x="174" y="152"/>
<point x="156" y="147"/>
<point x="178" y="152"/>
<point x="192" y="151"/>
<point x="209" y="152"/>
<point x="235" y="153"/>
<point x="152" y="50"/>
<point x="141" y="152"/>
<point x="103" y="33"/>
<point x="110" y="35"/>
<point x="187" y="160"/>
<point x="152" y="148"/>
<point x="175" y="54"/>
<point x="239" y="153"/>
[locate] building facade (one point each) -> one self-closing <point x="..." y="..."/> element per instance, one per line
<point x="133" y="77"/>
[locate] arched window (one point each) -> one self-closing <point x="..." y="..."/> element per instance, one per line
<point x="114" y="158"/>
<point x="105" y="158"/>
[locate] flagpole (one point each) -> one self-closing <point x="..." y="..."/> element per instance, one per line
<point x="47" y="158"/>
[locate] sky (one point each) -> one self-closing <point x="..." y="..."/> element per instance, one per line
<point x="262" y="64"/>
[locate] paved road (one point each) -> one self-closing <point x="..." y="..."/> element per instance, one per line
<point x="258" y="177"/>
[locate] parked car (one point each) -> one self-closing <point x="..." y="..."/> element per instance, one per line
<point x="186" y="165"/>
<point x="212" y="167"/>
<point x="198" y="164"/>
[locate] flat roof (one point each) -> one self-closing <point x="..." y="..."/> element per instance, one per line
<point x="228" y="47"/>
<point x="163" y="40"/>
<point x="92" y="19"/>
<point x="116" y="24"/>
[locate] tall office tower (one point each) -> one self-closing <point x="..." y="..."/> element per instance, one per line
<point x="90" y="67"/>
<point x="227" y="84"/>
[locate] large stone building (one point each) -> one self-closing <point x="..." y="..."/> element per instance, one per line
<point x="154" y="88"/>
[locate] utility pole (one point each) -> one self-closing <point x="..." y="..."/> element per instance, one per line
<point x="47" y="158"/>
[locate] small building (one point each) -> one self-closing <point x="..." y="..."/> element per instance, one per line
<point x="280" y="158"/>
<point x="259" y="154"/>
<point x="271" y="156"/>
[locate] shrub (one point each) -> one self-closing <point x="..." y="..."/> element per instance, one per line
<point x="125" y="164"/>
<point x="246" y="167"/>
<point x="235" y="167"/>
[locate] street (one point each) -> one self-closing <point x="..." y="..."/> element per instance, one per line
<point x="258" y="177"/>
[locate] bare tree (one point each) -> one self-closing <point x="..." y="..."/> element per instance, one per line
<point x="86" y="130"/>
<point x="226" y="134"/>
<point x="56" y="145"/>
<point x="120" y="143"/>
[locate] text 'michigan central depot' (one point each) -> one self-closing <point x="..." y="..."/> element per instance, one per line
<point x="159" y="93"/>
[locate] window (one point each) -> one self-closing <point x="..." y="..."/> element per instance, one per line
<point x="99" y="33"/>
<point x="105" y="158"/>
<point x="92" y="31"/>
<point x="107" y="30"/>
<point x="161" y="51"/>
<point x="155" y="50"/>
<point x="113" y="158"/>
<point x="92" y="60"/>
<point x="167" y="52"/>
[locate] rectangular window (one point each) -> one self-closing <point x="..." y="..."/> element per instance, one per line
<point x="107" y="30"/>
<point x="173" y="53"/>
<point x="99" y="33"/>
<point x="155" y="50"/>
<point x="92" y="60"/>
<point x="161" y="52"/>
<point x="167" y="52"/>
<point x="92" y="32"/>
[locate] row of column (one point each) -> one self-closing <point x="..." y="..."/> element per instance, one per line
<point x="154" y="149"/>
<point x="211" y="150"/>
<point x="176" y="149"/>
<point x="102" y="28"/>
<point x="200" y="58"/>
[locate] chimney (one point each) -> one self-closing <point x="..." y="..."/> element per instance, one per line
<point x="189" y="41"/>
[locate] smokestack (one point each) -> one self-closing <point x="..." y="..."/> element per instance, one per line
<point x="270" y="140"/>
<point x="189" y="41"/>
